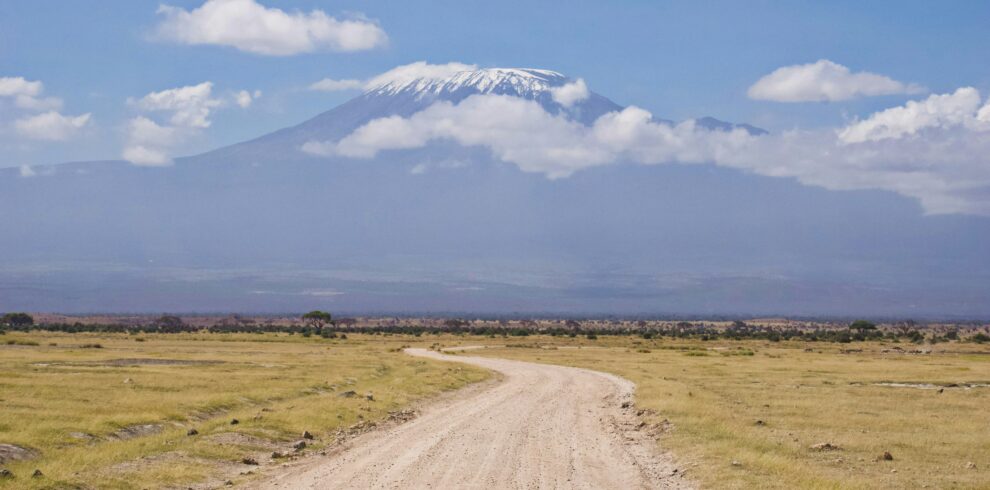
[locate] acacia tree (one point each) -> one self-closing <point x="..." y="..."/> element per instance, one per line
<point x="862" y="325"/>
<point x="17" y="320"/>
<point x="317" y="319"/>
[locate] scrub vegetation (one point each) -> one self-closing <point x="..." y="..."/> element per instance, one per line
<point x="159" y="410"/>
<point x="757" y="414"/>
<point x="152" y="410"/>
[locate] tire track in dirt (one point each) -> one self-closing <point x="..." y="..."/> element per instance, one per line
<point x="542" y="426"/>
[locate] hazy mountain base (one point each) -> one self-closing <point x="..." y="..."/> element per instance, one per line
<point x="481" y="237"/>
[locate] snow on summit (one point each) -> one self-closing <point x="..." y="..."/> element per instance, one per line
<point x="510" y="81"/>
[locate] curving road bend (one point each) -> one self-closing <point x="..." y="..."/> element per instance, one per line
<point x="543" y="426"/>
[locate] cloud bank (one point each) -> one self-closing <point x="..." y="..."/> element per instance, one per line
<point x="249" y="26"/>
<point x="824" y="81"/>
<point x="936" y="150"/>
<point x="960" y="108"/>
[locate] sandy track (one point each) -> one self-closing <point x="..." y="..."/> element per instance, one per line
<point x="543" y="426"/>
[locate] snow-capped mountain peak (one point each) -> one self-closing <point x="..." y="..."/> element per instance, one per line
<point x="524" y="82"/>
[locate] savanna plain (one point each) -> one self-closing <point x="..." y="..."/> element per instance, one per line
<point x="209" y="410"/>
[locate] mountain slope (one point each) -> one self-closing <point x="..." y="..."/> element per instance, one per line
<point x="404" y="98"/>
<point x="262" y="226"/>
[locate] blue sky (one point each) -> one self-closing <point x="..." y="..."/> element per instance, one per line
<point x="676" y="59"/>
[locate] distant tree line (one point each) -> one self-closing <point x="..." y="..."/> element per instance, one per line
<point x="323" y="324"/>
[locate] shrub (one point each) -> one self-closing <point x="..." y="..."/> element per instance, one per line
<point x="21" y="342"/>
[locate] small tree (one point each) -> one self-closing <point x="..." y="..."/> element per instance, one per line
<point x="317" y="319"/>
<point x="862" y="325"/>
<point x="17" y="320"/>
<point x="169" y="324"/>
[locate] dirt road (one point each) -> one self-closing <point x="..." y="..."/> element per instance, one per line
<point x="541" y="427"/>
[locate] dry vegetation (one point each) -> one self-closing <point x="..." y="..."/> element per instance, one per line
<point x="735" y="414"/>
<point x="115" y="410"/>
<point x="749" y="414"/>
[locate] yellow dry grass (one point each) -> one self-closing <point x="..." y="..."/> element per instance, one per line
<point x="712" y="394"/>
<point x="69" y="401"/>
<point x="763" y="405"/>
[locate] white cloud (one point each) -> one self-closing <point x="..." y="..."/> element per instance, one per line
<point x="937" y="111"/>
<point x="331" y="85"/>
<point x="188" y="110"/>
<point x="190" y="105"/>
<point x="144" y="131"/>
<point x="824" y="81"/>
<point x="38" y="104"/>
<point x="570" y="93"/>
<point x="946" y="167"/>
<point x="143" y="156"/>
<point x="14" y="86"/>
<point x="245" y="98"/>
<point x="983" y="115"/>
<point x="27" y="94"/>
<point x="423" y="167"/>
<point x="252" y="27"/>
<point x="51" y="126"/>
<point x="27" y="171"/>
<point x="148" y="142"/>
<point x="522" y="132"/>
